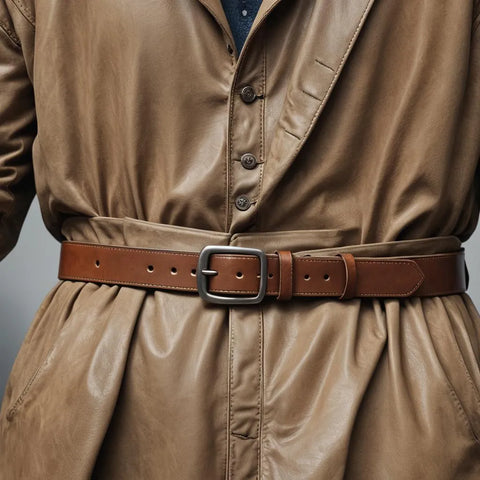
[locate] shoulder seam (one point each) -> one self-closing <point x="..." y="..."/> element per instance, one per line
<point x="10" y="34"/>
<point x="25" y="11"/>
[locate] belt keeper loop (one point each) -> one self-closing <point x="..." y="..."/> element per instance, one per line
<point x="350" y="276"/>
<point x="285" y="271"/>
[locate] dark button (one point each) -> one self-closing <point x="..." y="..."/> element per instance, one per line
<point x="229" y="48"/>
<point x="242" y="202"/>
<point x="248" y="160"/>
<point x="248" y="94"/>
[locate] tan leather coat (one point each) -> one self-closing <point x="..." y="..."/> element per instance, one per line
<point x="129" y="120"/>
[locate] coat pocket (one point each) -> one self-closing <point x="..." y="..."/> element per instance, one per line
<point x="19" y="400"/>
<point x="458" y="350"/>
<point x="41" y="339"/>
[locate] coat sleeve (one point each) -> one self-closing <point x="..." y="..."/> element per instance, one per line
<point x="18" y="126"/>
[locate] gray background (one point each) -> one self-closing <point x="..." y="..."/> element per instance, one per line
<point x="32" y="268"/>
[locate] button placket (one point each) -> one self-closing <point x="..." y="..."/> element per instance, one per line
<point x="246" y="384"/>
<point x="245" y="156"/>
<point x="246" y="136"/>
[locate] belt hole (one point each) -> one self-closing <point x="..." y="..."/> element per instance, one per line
<point x="97" y="263"/>
<point x="306" y="276"/>
<point x="193" y="272"/>
<point x="173" y="270"/>
<point x="326" y="276"/>
<point x="239" y="274"/>
<point x="150" y="268"/>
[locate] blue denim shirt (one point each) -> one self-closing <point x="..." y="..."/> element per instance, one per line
<point x="240" y="15"/>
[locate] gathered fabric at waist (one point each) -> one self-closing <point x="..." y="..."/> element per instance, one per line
<point x="140" y="233"/>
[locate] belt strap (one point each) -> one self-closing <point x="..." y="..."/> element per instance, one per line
<point x="282" y="274"/>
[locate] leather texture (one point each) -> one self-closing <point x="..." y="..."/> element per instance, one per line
<point x="239" y="274"/>
<point x="130" y="120"/>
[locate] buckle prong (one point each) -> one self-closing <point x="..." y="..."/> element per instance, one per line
<point x="205" y="271"/>
<point x="202" y="268"/>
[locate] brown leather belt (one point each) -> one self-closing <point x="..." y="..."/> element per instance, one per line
<point x="237" y="275"/>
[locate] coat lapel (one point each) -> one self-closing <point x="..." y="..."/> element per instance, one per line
<point x="331" y="33"/>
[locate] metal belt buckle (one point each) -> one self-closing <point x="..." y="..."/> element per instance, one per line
<point x="203" y="271"/>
